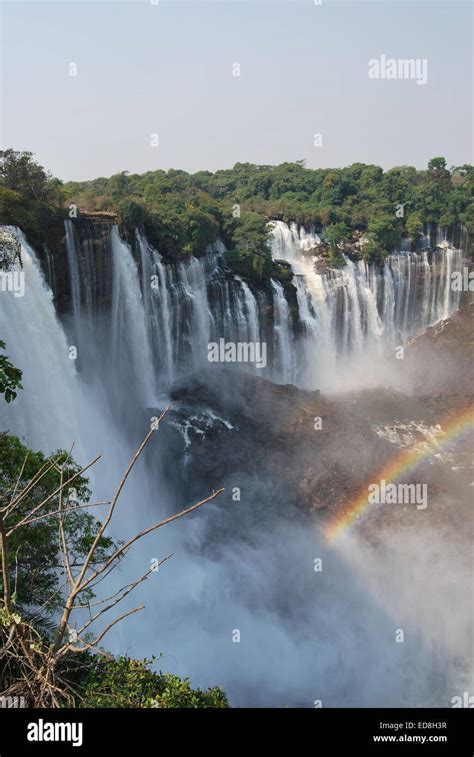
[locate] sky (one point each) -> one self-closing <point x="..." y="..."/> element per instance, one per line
<point x="204" y="85"/>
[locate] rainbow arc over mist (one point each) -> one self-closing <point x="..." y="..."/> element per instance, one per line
<point x="403" y="462"/>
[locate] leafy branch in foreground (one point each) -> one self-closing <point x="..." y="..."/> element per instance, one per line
<point x="38" y="664"/>
<point x="125" y="682"/>
<point x="10" y="377"/>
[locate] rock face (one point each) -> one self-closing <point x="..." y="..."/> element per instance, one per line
<point x="88" y="237"/>
<point x="319" y="449"/>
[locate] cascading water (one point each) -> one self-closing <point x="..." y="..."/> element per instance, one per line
<point x="344" y="316"/>
<point x="108" y="324"/>
<point x="51" y="400"/>
<point x="190" y="304"/>
<point x="130" y="348"/>
<point x="283" y="353"/>
<point x="140" y="324"/>
<point x="356" y="312"/>
<point x="158" y="310"/>
<point x="59" y="405"/>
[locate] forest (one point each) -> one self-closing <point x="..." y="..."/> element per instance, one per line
<point x="183" y="213"/>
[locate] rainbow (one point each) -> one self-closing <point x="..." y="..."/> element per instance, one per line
<point x="403" y="462"/>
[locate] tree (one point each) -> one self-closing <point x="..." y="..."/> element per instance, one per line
<point x="414" y="226"/>
<point x="33" y="663"/>
<point x="438" y="173"/>
<point x="251" y="235"/>
<point x="437" y="165"/>
<point x="335" y="234"/>
<point x="131" y="213"/>
<point x="20" y="172"/>
<point x="383" y="236"/>
<point x="249" y="238"/>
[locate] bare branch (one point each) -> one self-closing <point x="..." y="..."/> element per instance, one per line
<point x="129" y="588"/>
<point x="102" y="633"/>
<point x="88" y="605"/>
<point x="5" y="568"/>
<point x="45" y="468"/>
<point x="19" y="476"/>
<point x="66" y="510"/>
<point x="143" y="533"/>
<point x="78" y="585"/>
<point x="62" y="536"/>
<point x="113" y="502"/>
<point x="45" y="501"/>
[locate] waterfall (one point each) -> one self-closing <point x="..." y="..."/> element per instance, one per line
<point x="48" y="413"/>
<point x="189" y="304"/>
<point x="108" y="324"/>
<point x="358" y="311"/>
<point x="60" y="405"/>
<point x="290" y="241"/>
<point x="73" y="267"/>
<point x="283" y="353"/>
<point x="249" y="327"/>
<point x="199" y="321"/>
<point x="158" y="310"/>
<point x="144" y="325"/>
<point x="131" y="353"/>
<point x="168" y="314"/>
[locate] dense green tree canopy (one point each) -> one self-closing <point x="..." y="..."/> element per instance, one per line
<point x="182" y="213"/>
<point x="361" y="197"/>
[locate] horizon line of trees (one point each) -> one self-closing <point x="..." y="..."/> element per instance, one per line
<point x="183" y="213"/>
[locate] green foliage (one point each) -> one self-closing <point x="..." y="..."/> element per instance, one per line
<point x="250" y="235"/>
<point x="414" y="226"/>
<point x="335" y="234"/>
<point x="437" y="167"/>
<point x="131" y="213"/>
<point x="183" y="213"/>
<point x="34" y="550"/>
<point x="382" y="236"/>
<point x="249" y="249"/>
<point x="10" y="377"/>
<point x="20" y="173"/>
<point x="12" y="210"/>
<point x="29" y="196"/>
<point x="125" y="682"/>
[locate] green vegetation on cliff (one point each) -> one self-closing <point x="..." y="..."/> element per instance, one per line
<point x="183" y="213"/>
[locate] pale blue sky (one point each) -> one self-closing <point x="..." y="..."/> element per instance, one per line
<point x="167" y="69"/>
